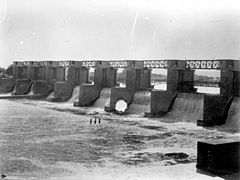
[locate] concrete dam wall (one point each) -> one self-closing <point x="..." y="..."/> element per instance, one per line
<point x="141" y="102"/>
<point x="104" y="98"/>
<point x="187" y="107"/>
<point x="75" y="95"/>
<point x="233" y="118"/>
<point x="66" y="81"/>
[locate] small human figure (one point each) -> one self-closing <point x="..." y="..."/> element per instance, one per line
<point x="99" y="121"/>
<point x="3" y="175"/>
<point x="95" y="120"/>
<point x="91" y="121"/>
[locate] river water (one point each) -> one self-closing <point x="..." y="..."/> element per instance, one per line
<point x="38" y="141"/>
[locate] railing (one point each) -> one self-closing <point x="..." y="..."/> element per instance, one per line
<point x="189" y="64"/>
<point x="203" y="64"/>
<point x="88" y="64"/>
<point x="118" y="64"/>
<point x="206" y="84"/>
<point x="155" y="63"/>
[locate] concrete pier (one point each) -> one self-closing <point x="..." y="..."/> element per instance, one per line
<point x="179" y="79"/>
<point x="104" y="76"/>
<point x="137" y="78"/>
<point x="68" y="75"/>
<point x="216" y="106"/>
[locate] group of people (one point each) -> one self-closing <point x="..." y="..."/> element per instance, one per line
<point x="95" y="120"/>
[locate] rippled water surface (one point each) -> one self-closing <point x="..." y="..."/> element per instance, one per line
<point x="37" y="142"/>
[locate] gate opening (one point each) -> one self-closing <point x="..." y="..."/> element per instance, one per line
<point x="91" y="76"/>
<point x="207" y="81"/>
<point x="121" y="77"/>
<point x="159" y="79"/>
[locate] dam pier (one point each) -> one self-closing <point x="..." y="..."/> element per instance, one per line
<point x="57" y="81"/>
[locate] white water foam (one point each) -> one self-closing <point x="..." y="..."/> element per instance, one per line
<point x="75" y="94"/>
<point x="187" y="107"/>
<point x="104" y="98"/>
<point x="141" y="102"/>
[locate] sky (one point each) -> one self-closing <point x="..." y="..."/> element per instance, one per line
<point x="118" y="29"/>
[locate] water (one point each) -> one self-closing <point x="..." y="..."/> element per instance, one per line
<point x="50" y="96"/>
<point x="160" y="85"/>
<point x="5" y="94"/>
<point x="38" y="143"/>
<point x="233" y="118"/>
<point x="208" y="90"/>
<point x="31" y="91"/>
<point x="187" y="107"/>
<point x="104" y="98"/>
<point x="14" y="89"/>
<point x="141" y="102"/>
<point x="75" y="94"/>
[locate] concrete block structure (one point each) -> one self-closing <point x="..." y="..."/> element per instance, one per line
<point x="22" y="87"/>
<point x="19" y="70"/>
<point x="137" y="78"/>
<point x="219" y="156"/>
<point x="216" y="106"/>
<point x="7" y="85"/>
<point x="179" y="79"/>
<point x="68" y="75"/>
<point x="104" y="76"/>
<point x="24" y="72"/>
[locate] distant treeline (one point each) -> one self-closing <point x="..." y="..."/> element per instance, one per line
<point x="6" y="72"/>
<point x="206" y="78"/>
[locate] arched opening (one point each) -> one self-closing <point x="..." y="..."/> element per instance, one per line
<point x="121" y="77"/>
<point x="207" y="81"/>
<point x="91" y="76"/>
<point x="159" y="79"/>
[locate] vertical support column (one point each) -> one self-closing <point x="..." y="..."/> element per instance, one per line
<point x="83" y="75"/>
<point x="104" y="76"/>
<point x="15" y="70"/>
<point x="50" y="72"/>
<point x="138" y="77"/>
<point x="236" y="83"/>
<point x="111" y="77"/>
<point x="179" y="78"/>
<point x="145" y="79"/>
<point x="226" y="82"/>
<point x="33" y="70"/>
<point x="186" y="81"/>
<point x="131" y="79"/>
<point x="18" y="70"/>
<point x="60" y="74"/>
<point x="216" y="107"/>
<point x="229" y="80"/>
<point x="98" y="77"/>
<point x="172" y="79"/>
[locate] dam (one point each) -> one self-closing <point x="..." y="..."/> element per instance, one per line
<point x="68" y="81"/>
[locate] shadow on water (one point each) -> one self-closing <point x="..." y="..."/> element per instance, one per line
<point x="166" y="158"/>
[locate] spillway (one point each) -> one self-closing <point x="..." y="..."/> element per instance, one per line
<point x="140" y="103"/>
<point x="187" y="107"/>
<point x="6" y="94"/>
<point x="75" y="94"/>
<point x="14" y="89"/>
<point x="233" y="117"/>
<point x="104" y="98"/>
<point x="50" y="96"/>
<point x="31" y="91"/>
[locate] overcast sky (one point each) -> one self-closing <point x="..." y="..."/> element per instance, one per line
<point x="118" y="29"/>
